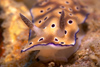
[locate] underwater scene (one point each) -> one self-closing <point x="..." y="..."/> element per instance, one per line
<point x="49" y="33"/>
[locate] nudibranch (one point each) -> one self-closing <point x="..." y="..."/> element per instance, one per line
<point x="55" y="26"/>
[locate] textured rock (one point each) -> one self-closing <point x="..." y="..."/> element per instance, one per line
<point x="15" y="32"/>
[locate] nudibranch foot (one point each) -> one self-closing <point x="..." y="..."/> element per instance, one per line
<point x="43" y="45"/>
<point x="54" y="54"/>
<point x="60" y="54"/>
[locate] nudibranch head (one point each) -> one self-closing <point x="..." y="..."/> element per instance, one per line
<point x="55" y="22"/>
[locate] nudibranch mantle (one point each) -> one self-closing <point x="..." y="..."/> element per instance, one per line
<point x="55" y="27"/>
